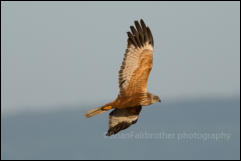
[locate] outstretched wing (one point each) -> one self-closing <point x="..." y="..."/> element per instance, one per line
<point x="120" y="119"/>
<point x="137" y="62"/>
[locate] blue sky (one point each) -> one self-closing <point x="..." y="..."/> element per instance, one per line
<point x="69" y="53"/>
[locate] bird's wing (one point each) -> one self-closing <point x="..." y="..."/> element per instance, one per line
<point x="137" y="62"/>
<point x="120" y="119"/>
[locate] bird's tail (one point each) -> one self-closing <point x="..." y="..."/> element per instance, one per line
<point x="97" y="111"/>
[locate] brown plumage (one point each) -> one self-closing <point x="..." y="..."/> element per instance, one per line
<point x="133" y="77"/>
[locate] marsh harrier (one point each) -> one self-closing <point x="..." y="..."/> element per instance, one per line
<point x="133" y="76"/>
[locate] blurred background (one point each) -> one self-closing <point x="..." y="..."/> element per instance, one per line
<point x="60" y="59"/>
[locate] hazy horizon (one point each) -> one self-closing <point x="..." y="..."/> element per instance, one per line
<point x="194" y="129"/>
<point x="82" y="108"/>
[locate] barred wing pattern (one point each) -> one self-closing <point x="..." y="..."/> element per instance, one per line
<point x="120" y="119"/>
<point x="137" y="62"/>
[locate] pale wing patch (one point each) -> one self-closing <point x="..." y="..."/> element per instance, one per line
<point x="139" y="40"/>
<point x="120" y="119"/>
<point x="129" y="65"/>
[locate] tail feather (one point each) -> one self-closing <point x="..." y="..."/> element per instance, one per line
<point x="97" y="111"/>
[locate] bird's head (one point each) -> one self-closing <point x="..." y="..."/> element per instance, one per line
<point x="155" y="99"/>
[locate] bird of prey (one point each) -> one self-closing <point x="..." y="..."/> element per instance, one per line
<point x="133" y="76"/>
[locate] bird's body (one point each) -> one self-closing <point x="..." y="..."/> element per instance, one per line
<point x="133" y="77"/>
<point x="138" y="99"/>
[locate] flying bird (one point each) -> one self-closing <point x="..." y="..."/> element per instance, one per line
<point x="133" y="77"/>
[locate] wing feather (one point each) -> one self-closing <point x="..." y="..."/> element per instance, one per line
<point x="137" y="61"/>
<point x="138" y="27"/>
<point x="133" y="30"/>
<point x="131" y="40"/>
<point x="120" y="119"/>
